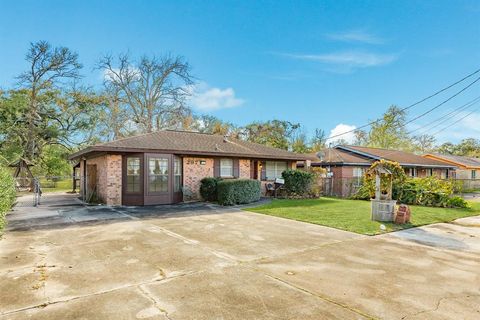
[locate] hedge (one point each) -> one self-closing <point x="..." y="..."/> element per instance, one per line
<point x="428" y="192"/>
<point x="238" y="191"/>
<point x="7" y="194"/>
<point x="208" y="188"/>
<point x="297" y="182"/>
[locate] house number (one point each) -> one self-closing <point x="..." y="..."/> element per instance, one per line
<point x="196" y="162"/>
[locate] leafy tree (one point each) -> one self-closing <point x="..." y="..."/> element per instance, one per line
<point x="468" y="147"/>
<point x="54" y="162"/>
<point x="446" y="148"/>
<point x="274" y="133"/>
<point x="299" y="143"/>
<point x="318" y="141"/>
<point x="49" y="68"/>
<point x="13" y="120"/>
<point x="389" y="132"/>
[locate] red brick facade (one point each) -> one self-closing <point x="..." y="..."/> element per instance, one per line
<point x="108" y="178"/>
<point x="194" y="170"/>
<point x="197" y="168"/>
<point x="108" y="184"/>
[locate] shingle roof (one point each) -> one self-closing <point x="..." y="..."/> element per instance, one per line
<point x="191" y="143"/>
<point x="402" y="157"/>
<point x="333" y="155"/>
<point x="364" y="155"/>
<point x="461" y="160"/>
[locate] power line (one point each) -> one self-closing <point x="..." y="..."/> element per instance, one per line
<point x="414" y="104"/>
<point x="445" y="117"/>
<point x="443" y="102"/>
<point x="444" y="128"/>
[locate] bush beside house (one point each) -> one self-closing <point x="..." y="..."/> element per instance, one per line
<point x="299" y="184"/>
<point x="238" y="191"/>
<point x="428" y="191"/>
<point x="208" y="188"/>
<point x="7" y="194"/>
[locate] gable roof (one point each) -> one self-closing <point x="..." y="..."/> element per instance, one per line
<point x="191" y="143"/>
<point x="350" y="155"/>
<point x="339" y="156"/>
<point x="465" y="162"/>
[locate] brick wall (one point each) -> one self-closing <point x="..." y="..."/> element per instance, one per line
<point x="193" y="172"/>
<point x="114" y="180"/>
<point x="109" y="178"/>
<point x="101" y="181"/>
<point x="244" y="168"/>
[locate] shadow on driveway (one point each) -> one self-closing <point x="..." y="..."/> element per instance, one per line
<point x="62" y="210"/>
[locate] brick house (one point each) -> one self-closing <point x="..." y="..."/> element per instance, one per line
<point x="347" y="164"/>
<point x="166" y="166"/>
<point x="468" y="168"/>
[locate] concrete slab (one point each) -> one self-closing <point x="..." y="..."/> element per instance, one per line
<point x="199" y="261"/>
<point x="241" y="293"/>
<point x="385" y="277"/>
<point x="443" y="235"/>
<point x="246" y="236"/>
<point x="130" y="303"/>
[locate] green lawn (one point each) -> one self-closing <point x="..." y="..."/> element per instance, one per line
<point x="61" y="185"/>
<point x="354" y="215"/>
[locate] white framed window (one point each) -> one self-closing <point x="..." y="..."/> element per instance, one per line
<point x="226" y="168"/>
<point x="412" y="172"/>
<point x="133" y="174"/>
<point x="177" y="174"/>
<point x="429" y="172"/>
<point x="274" y="169"/>
<point x="444" y="174"/>
<point x="358" y="172"/>
<point x="158" y="175"/>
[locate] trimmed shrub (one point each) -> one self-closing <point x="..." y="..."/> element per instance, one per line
<point x="430" y="192"/>
<point x="238" y="191"/>
<point x="297" y="182"/>
<point x="7" y="194"/>
<point x="457" y="202"/>
<point x="208" y="188"/>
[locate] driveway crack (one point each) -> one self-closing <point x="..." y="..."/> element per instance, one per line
<point x="437" y="305"/>
<point x="68" y="299"/>
<point x="152" y="298"/>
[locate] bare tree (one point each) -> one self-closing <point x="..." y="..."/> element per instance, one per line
<point x="424" y="143"/>
<point x="155" y="89"/>
<point x="49" y="66"/>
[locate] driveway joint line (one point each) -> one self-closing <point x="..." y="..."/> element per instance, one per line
<point x="322" y="297"/>
<point x="132" y="285"/>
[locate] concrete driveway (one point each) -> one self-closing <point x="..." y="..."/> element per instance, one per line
<point x="66" y="261"/>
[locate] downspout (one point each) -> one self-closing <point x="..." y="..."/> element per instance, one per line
<point x="84" y="189"/>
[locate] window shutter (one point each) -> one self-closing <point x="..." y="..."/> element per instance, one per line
<point x="216" y="167"/>
<point x="263" y="175"/>
<point x="236" y="169"/>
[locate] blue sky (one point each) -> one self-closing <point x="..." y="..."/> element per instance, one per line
<point x="321" y="63"/>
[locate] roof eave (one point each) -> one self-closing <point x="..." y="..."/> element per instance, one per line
<point x="88" y="150"/>
<point x="365" y="154"/>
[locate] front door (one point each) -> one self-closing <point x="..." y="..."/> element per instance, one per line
<point x="158" y="182"/>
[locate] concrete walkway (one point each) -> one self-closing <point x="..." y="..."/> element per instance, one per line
<point x="205" y="262"/>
